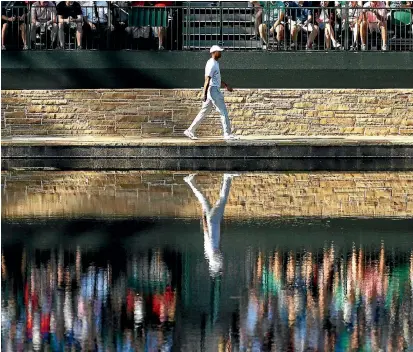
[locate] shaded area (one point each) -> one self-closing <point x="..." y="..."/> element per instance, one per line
<point x="106" y="69"/>
<point x="210" y="164"/>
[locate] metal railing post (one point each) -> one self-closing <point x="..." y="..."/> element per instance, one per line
<point x="221" y="22"/>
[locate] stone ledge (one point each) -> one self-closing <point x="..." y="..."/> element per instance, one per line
<point x="246" y="154"/>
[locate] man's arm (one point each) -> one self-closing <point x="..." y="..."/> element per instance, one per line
<point x="206" y="86"/>
<point x="34" y="15"/>
<point x="225" y="85"/>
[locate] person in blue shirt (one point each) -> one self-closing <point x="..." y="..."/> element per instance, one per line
<point x="300" y="18"/>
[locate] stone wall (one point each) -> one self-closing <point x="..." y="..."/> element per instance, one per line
<point x="165" y="194"/>
<point x="168" y="112"/>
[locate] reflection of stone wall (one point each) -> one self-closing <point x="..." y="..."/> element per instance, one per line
<point x="145" y="112"/>
<point x="143" y="194"/>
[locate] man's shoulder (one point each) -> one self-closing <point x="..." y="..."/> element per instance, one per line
<point x="210" y="62"/>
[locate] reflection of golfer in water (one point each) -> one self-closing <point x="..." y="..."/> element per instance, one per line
<point x="211" y="220"/>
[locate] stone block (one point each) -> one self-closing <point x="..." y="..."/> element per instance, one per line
<point x="131" y="118"/>
<point x="15" y="114"/>
<point x="43" y="108"/>
<point x="49" y="102"/>
<point x="118" y="95"/>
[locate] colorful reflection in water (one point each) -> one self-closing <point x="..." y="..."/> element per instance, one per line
<point x="327" y="299"/>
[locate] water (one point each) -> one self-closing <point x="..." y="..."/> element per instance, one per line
<point x="211" y="265"/>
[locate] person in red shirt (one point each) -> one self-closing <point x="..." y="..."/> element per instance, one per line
<point x="160" y="32"/>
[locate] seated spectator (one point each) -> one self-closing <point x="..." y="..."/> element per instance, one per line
<point x="275" y="20"/>
<point x="43" y="15"/>
<point x="258" y="10"/>
<point x="351" y="16"/>
<point x="401" y="17"/>
<point x="136" y="33"/>
<point x="160" y="32"/>
<point x="13" y="14"/>
<point x="95" y="16"/>
<point x="70" y="15"/>
<point x="326" y="21"/>
<point x="300" y="19"/>
<point x="374" y="19"/>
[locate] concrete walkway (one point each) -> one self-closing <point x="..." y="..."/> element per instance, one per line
<point x="206" y="141"/>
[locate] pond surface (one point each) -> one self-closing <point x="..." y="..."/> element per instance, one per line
<point x="204" y="272"/>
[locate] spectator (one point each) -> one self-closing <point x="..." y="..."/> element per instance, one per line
<point x="275" y="19"/>
<point x="95" y="16"/>
<point x="374" y="18"/>
<point x="258" y="5"/>
<point x="160" y="32"/>
<point x="136" y="33"/>
<point x="326" y="21"/>
<point x="401" y="17"/>
<point x="13" y="14"/>
<point x="300" y="19"/>
<point x="351" y="16"/>
<point x="70" y="14"/>
<point x="43" y="15"/>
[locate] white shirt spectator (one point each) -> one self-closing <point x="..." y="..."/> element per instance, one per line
<point x="212" y="70"/>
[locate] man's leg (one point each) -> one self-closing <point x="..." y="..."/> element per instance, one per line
<point x="33" y="30"/>
<point x="219" y="103"/>
<point x="22" y="28"/>
<point x="62" y="34"/>
<point x="313" y="31"/>
<point x="205" y="109"/>
<point x="54" y="33"/>
<point x="363" y="33"/>
<point x="383" y="30"/>
<point x="206" y="206"/>
<point x="219" y="207"/>
<point x="263" y="33"/>
<point x="79" y="34"/>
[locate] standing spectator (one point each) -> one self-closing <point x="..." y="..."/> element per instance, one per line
<point x="258" y="5"/>
<point x="70" y="12"/>
<point x="300" y="19"/>
<point x="13" y="14"/>
<point x="160" y="32"/>
<point x="275" y="19"/>
<point x="351" y="17"/>
<point x="120" y="19"/>
<point x="326" y="20"/>
<point x="43" y="15"/>
<point x="95" y="16"/>
<point x="374" y="19"/>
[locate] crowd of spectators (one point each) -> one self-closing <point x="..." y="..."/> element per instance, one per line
<point x="329" y="20"/>
<point x="98" y="22"/>
<point x="326" y="299"/>
<point x="91" y="20"/>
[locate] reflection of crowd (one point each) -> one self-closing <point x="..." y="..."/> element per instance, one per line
<point x="59" y="305"/>
<point x="299" y="301"/>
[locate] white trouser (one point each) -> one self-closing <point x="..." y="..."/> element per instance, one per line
<point x="213" y="215"/>
<point x="214" y="99"/>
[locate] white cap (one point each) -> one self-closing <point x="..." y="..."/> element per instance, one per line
<point x="215" y="48"/>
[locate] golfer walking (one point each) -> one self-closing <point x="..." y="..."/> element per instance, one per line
<point x="212" y="96"/>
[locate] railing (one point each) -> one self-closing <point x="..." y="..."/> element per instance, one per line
<point x="191" y="26"/>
